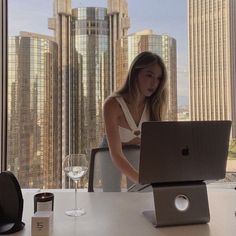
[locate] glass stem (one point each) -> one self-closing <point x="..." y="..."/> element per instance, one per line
<point x="76" y="208"/>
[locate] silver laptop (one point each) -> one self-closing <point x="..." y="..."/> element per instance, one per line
<point x="176" y="157"/>
<point x="183" y="151"/>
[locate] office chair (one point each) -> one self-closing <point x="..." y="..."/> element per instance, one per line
<point x="104" y="176"/>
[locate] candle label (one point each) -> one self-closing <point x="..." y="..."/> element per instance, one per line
<point x="44" y="206"/>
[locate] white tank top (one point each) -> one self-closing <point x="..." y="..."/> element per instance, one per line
<point x="127" y="135"/>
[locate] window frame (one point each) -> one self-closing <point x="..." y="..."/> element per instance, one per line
<point x="3" y="83"/>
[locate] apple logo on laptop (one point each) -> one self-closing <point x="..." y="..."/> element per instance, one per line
<point x="185" y="151"/>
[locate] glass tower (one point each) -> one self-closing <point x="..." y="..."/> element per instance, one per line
<point x="119" y="24"/>
<point x="89" y="85"/>
<point x="32" y="78"/>
<point x="86" y="60"/>
<point x="60" y="24"/>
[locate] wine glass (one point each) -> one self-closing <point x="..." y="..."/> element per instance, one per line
<point x="75" y="166"/>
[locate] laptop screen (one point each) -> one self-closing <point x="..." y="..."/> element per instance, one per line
<point x="183" y="151"/>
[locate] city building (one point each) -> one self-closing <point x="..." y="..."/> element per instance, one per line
<point x="60" y="24"/>
<point x="165" y="47"/>
<point x="32" y="95"/>
<point x="87" y="47"/>
<point x="119" y="24"/>
<point x="82" y="35"/>
<point x="89" y="80"/>
<point x="212" y="60"/>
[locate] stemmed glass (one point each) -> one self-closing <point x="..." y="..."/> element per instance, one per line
<point x="75" y="166"/>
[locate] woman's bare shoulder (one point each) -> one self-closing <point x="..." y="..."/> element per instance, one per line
<point x="111" y="104"/>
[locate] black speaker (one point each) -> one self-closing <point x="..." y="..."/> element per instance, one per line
<point x="11" y="204"/>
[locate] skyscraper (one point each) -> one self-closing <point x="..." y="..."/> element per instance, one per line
<point x="86" y="38"/>
<point x="119" y="24"/>
<point x="89" y="81"/>
<point x="32" y="77"/>
<point x="165" y="47"/>
<point x="60" y="24"/>
<point x="212" y="60"/>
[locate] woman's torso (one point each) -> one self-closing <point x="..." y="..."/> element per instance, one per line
<point x="129" y="130"/>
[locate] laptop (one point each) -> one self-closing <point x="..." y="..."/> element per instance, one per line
<point x="181" y="151"/>
<point x="176" y="158"/>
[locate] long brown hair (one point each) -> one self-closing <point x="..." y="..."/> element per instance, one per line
<point x="157" y="101"/>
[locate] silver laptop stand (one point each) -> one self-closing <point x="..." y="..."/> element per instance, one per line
<point x="179" y="204"/>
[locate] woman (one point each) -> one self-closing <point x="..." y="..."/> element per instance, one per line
<point x="142" y="98"/>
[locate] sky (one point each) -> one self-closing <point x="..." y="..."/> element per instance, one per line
<point x="162" y="16"/>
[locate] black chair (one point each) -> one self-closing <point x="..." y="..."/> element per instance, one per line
<point x="104" y="176"/>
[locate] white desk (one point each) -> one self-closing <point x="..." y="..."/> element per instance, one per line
<point x="115" y="214"/>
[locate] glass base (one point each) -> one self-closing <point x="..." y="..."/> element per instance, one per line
<point x="76" y="213"/>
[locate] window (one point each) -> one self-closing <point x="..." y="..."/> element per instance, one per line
<point x="59" y="66"/>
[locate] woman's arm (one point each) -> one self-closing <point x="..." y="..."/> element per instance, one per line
<point x="111" y="111"/>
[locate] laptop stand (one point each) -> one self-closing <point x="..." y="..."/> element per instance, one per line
<point x="179" y="204"/>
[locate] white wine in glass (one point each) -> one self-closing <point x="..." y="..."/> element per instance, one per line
<point x="75" y="167"/>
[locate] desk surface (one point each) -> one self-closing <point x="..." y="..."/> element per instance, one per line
<point x="121" y="214"/>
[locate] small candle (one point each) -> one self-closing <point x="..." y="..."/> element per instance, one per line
<point x="43" y="202"/>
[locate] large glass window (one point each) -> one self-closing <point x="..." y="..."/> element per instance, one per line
<point x="60" y="67"/>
